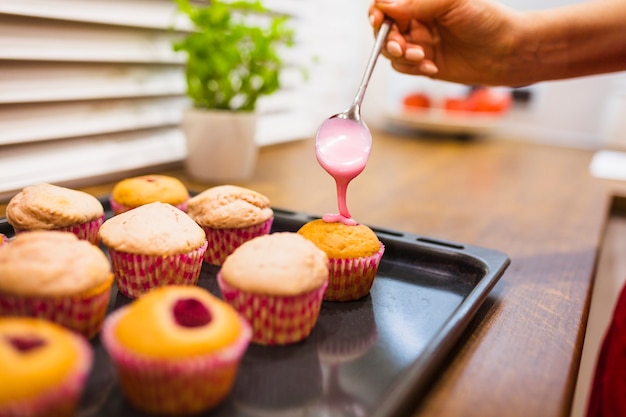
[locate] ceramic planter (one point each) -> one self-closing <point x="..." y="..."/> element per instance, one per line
<point x="220" y="144"/>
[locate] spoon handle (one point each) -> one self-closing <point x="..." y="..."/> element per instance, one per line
<point x="378" y="46"/>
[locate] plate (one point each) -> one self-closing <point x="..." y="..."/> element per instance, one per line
<point x="448" y="122"/>
<point x="375" y="356"/>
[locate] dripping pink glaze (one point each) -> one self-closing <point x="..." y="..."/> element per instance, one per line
<point x="342" y="148"/>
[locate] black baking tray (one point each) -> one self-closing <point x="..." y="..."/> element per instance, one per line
<point x="372" y="357"/>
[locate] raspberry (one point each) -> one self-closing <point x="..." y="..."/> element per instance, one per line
<point x="190" y="312"/>
<point x="25" y="344"/>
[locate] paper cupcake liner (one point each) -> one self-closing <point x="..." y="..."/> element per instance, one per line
<point x="61" y="400"/>
<point x="118" y="208"/>
<point x="275" y="320"/>
<point x="136" y="274"/>
<point x="222" y="242"/>
<point x="351" y="279"/>
<point x="174" y="386"/>
<point x="83" y="313"/>
<point x="86" y="231"/>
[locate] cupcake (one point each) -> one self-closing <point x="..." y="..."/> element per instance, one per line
<point x="137" y="191"/>
<point x="276" y="282"/>
<point x="230" y="215"/>
<point x="153" y="245"/>
<point x="44" y="368"/>
<point x="177" y="349"/>
<point x="354" y="253"/>
<point x="56" y="276"/>
<point x="50" y="207"/>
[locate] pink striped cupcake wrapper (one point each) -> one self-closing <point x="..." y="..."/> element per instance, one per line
<point x="118" y="208"/>
<point x="86" y="231"/>
<point x="174" y="386"/>
<point x="222" y="242"/>
<point x="136" y="274"/>
<point x="275" y="320"/>
<point x="351" y="279"/>
<point x="61" y="400"/>
<point x="83" y="313"/>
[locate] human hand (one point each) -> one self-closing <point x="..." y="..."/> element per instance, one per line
<point x="465" y="41"/>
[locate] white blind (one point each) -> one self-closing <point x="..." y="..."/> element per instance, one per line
<point x="93" y="88"/>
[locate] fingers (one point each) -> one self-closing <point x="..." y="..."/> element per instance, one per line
<point x="426" y="68"/>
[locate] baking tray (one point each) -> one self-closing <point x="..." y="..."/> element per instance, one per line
<point x="372" y="357"/>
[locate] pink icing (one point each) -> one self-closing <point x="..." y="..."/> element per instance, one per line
<point x="342" y="148"/>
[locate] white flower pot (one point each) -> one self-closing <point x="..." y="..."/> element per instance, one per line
<point x="220" y="144"/>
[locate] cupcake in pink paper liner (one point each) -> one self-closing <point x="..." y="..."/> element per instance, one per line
<point x="153" y="245"/>
<point x="56" y="276"/>
<point x="44" y="368"/>
<point x="51" y="207"/>
<point x="276" y="282"/>
<point x="133" y="192"/>
<point x="177" y="349"/>
<point x="354" y="254"/>
<point x="230" y="215"/>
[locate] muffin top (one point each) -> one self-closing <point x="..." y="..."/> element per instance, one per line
<point x="177" y="321"/>
<point x="281" y="263"/>
<point x="229" y="206"/>
<point x="341" y="241"/>
<point x="36" y="355"/>
<point x="136" y="191"/>
<point x="47" y="206"/>
<point x="152" y="229"/>
<point x="51" y="263"/>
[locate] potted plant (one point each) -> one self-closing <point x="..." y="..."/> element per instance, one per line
<point x="232" y="59"/>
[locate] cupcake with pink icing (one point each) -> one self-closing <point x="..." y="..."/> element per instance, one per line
<point x="44" y="368"/>
<point x="152" y="246"/>
<point x="51" y="207"/>
<point x="354" y="253"/>
<point x="277" y="282"/>
<point x="230" y="215"/>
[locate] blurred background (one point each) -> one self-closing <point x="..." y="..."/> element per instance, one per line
<point x="93" y="89"/>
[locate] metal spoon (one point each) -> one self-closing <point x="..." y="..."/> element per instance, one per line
<point x="343" y="141"/>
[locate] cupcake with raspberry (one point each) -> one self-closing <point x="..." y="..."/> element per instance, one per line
<point x="276" y="282"/>
<point x="133" y="192"/>
<point x="44" y="368"/>
<point x="354" y="253"/>
<point x="230" y="215"/>
<point x="51" y="207"/>
<point x="56" y="276"/>
<point x="177" y="349"/>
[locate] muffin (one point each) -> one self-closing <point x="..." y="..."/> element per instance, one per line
<point x="354" y="253"/>
<point x="153" y="245"/>
<point x="276" y="282"/>
<point x="177" y="349"/>
<point x="44" y="368"/>
<point x="230" y="215"/>
<point x="137" y="191"/>
<point x="56" y="276"/>
<point x="51" y="207"/>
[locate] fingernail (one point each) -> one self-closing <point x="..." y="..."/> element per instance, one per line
<point x="429" y="68"/>
<point x="394" y="49"/>
<point x="414" y="54"/>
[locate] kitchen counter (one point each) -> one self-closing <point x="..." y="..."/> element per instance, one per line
<point x="538" y="204"/>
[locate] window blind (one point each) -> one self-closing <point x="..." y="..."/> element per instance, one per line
<point x="92" y="89"/>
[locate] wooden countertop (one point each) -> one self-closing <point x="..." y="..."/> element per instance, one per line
<point x="538" y="204"/>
